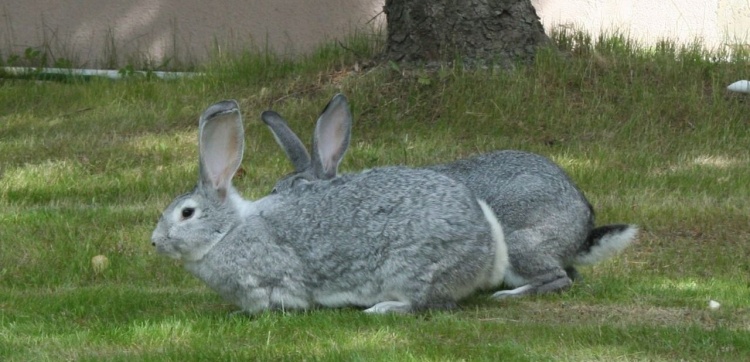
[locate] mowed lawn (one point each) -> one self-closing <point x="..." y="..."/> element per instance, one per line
<point x="651" y="135"/>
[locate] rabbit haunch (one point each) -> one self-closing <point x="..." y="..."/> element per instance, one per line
<point x="548" y="223"/>
<point x="388" y="239"/>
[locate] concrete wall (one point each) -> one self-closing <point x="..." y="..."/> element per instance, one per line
<point x="98" y="32"/>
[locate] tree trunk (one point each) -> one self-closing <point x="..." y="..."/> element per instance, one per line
<point x="501" y="31"/>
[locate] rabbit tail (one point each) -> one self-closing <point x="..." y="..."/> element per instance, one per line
<point x="605" y="242"/>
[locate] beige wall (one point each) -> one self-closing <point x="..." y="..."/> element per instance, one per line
<point x="84" y="30"/>
<point x="92" y="31"/>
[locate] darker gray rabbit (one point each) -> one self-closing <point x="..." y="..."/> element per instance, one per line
<point x="548" y="223"/>
<point x="387" y="239"/>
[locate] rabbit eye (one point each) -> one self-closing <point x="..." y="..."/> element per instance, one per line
<point x="187" y="212"/>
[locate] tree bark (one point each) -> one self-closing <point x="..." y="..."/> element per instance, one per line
<point x="504" y="31"/>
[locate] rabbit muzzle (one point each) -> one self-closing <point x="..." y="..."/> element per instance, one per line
<point x="163" y="244"/>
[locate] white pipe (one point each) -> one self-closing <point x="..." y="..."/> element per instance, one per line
<point x="111" y="74"/>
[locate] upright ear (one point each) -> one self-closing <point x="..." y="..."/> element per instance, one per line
<point x="331" y="139"/>
<point x="294" y="148"/>
<point x="221" y="143"/>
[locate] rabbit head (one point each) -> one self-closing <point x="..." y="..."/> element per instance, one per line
<point x="195" y="221"/>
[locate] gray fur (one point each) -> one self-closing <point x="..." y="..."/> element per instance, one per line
<point x="547" y="221"/>
<point x="390" y="239"/>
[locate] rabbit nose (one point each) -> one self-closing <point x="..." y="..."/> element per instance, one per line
<point x="156" y="236"/>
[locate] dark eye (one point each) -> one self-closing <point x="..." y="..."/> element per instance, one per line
<point x="274" y="191"/>
<point x="187" y="212"/>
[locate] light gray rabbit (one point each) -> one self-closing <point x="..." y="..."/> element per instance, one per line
<point x="548" y="223"/>
<point x="387" y="239"/>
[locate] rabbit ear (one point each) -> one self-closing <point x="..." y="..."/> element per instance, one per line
<point x="221" y="145"/>
<point x="331" y="137"/>
<point x="294" y="148"/>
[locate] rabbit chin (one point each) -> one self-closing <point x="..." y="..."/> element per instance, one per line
<point x="180" y="251"/>
<point x="169" y="253"/>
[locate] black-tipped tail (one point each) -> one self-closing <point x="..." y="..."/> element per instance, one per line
<point x="605" y="242"/>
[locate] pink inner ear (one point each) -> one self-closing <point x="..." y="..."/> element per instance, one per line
<point x="221" y="152"/>
<point x="330" y="148"/>
<point x="331" y="138"/>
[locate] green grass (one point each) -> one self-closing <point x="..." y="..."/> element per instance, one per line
<point x="650" y="135"/>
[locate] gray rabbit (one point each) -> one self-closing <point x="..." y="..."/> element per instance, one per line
<point x="548" y="223"/>
<point x="389" y="239"/>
